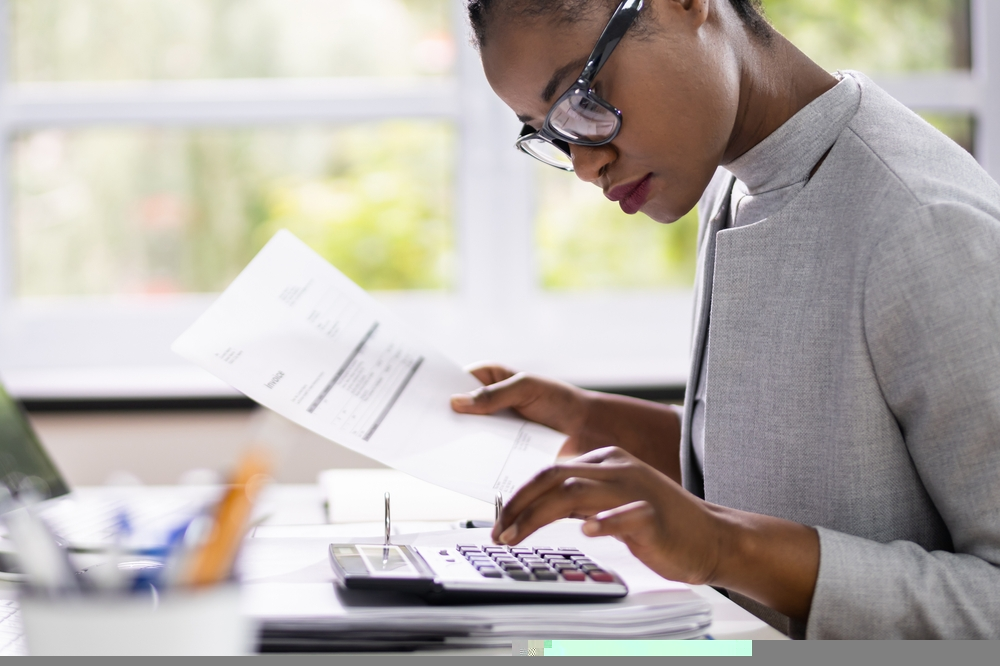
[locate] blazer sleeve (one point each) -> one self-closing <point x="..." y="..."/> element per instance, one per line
<point x="932" y="323"/>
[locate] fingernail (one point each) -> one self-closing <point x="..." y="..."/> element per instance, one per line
<point x="508" y="535"/>
<point x="591" y="527"/>
<point x="462" y="400"/>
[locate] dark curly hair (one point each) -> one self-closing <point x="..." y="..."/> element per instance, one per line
<point x="481" y="12"/>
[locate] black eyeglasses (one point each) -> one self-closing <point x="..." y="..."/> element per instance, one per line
<point x="579" y="116"/>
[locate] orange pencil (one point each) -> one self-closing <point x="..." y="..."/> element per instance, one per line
<point x="213" y="561"/>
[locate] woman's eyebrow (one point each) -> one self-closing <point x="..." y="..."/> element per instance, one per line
<point x="559" y="75"/>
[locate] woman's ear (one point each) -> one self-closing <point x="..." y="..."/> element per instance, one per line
<point x="694" y="13"/>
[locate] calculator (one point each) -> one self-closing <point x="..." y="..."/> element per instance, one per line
<point x="470" y="573"/>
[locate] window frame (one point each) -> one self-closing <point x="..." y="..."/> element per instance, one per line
<point x="118" y="347"/>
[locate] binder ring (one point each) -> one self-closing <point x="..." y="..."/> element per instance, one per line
<point x="388" y="523"/>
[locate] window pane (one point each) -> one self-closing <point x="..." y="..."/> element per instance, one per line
<point x="877" y="35"/>
<point x="60" y="40"/>
<point x="127" y="211"/>
<point x="585" y="241"/>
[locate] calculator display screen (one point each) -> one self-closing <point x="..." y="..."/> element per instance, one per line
<point x="386" y="559"/>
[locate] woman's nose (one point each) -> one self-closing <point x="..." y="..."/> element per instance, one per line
<point x="590" y="162"/>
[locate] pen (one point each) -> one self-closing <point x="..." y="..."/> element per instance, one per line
<point x="46" y="565"/>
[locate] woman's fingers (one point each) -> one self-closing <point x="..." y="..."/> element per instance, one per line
<point x="553" y="478"/>
<point x="622" y="522"/>
<point x="489" y="372"/>
<point x="574" y="498"/>
<point x="513" y="391"/>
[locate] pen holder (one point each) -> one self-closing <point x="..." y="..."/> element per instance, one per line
<point x="177" y="622"/>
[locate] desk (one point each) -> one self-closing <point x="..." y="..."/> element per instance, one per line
<point x="302" y="504"/>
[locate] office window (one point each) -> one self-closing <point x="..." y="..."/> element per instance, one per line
<point x="166" y="211"/>
<point x="877" y="36"/>
<point x="112" y="40"/>
<point x="149" y="147"/>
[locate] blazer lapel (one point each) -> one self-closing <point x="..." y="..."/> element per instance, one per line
<point x="690" y="475"/>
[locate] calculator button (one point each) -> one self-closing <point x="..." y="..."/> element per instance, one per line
<point x="574" y="575"/>
<point x="602" y="576"/>
<point x="569" y="549"/>
<point x="508" y="567"/>
<point x="589" y="567"/>
<point x="495" y="549"/>
<point x="525" y="551"/>
<point x="519" y="574"/>
<point x="562" y="565"/>
<point x="490" y="573"/>
<point x="545" y="574"/>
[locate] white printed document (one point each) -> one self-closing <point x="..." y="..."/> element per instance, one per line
<point x="296" y="335"/>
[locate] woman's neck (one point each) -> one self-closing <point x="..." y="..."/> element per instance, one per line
<point x="776" y="82"/>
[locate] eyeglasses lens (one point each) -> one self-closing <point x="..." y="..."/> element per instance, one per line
<point x="547" y="152"/>
<point x="579" y="118"/>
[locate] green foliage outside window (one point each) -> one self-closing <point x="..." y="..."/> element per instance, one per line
<point x="112" y="211"/>
<point x="106" y="40"/>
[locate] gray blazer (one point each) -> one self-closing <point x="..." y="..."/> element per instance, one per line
<point x="854" y="377"/>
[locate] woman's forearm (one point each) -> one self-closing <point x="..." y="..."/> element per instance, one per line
<point x="648" y="430"/>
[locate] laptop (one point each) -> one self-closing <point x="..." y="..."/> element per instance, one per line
<point x="91" y="519"/>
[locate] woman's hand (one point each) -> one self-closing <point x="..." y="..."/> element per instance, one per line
<point x="674" y="533"/>
<point x="560" y="406"/>
<point x="592" y="420"/>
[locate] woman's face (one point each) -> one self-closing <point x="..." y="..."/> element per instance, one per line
<point x="676" y="84"/>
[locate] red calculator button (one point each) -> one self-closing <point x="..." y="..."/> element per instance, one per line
<point x="574" y="575"/>
<point x="602" y="576"/>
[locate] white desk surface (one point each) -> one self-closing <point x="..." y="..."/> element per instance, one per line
<point x="291" y="505"/>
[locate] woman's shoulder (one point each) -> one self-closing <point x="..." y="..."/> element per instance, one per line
<point x="912" y="155"/>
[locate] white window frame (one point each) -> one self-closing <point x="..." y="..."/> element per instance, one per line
<point x="104" y="347"/>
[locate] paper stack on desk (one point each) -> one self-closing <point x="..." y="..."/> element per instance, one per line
<point x="674" y="615"/>
<point x="299" y="337"/>
<point x="289" y="589"/>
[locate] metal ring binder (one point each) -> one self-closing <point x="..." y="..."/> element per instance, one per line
<point x="388" y="521"/>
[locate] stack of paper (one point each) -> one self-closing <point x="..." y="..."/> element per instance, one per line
<point x="677" y="615"/>
<point x="290" y="589"/>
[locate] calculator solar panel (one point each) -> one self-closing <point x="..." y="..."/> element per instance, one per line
<point x="471" y="573"/>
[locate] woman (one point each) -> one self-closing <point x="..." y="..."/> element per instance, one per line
<point x="836" y="466"/>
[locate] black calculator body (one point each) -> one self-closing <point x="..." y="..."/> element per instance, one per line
<point x="476" y="574"/>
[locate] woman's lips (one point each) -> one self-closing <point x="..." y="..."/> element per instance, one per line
<point x="631" y="196"/>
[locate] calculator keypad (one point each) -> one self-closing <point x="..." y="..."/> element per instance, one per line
<point x="526" y="564"/>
